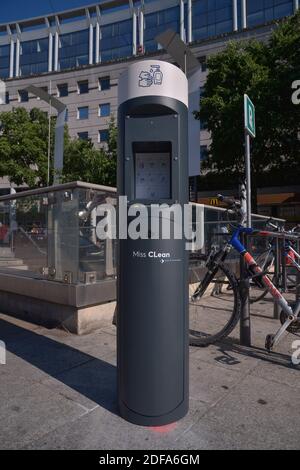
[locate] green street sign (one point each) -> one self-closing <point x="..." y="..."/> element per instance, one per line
<point x="249" y="111"/>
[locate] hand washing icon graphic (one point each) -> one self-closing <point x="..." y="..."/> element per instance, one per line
<point x="153" y="77"/>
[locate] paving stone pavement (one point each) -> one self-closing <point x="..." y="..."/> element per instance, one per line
<point x="58" y="391"/>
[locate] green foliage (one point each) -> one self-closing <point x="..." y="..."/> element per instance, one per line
<point x="265" y="71"/>
<point x="82" y="162"/>
<point x="23" y="146"/>
<point x="24" y="151"/>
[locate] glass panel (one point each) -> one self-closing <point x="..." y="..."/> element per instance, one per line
<point x="83" y="135"/>
<point x="262" y="11"/>
<point x="53" y="236"/>
<point x="103" y="135"/>
<point x="63" y="90"/>
<point x="116" y="41"/>
<point x="74" y="50"/>
<point x="23" y="96"/>
<point x="23" y="235"/>
<point x="4" y="61"/>
<point x="104" y="83"/>
<point x="83" y="87"/>
<point x="83" y="113"/>
<point x="211" y="17"/>
<point x="104" y="110"/>
<point x="158" y="22"/>
<point x="34" y="57"/>
<point x="96" y="257"/>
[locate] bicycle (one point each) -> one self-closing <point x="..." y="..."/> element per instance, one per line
<point x="224" y="316"/>
<point x="266" y="260"/>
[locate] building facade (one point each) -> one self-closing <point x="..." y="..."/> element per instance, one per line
<point x="78" y="55"/>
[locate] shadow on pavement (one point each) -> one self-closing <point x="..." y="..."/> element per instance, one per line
<point x="231" y="346"/>
<point x="91" y="377"/>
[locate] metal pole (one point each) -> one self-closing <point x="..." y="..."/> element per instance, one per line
<point x="248" y="177"/>
<point x="298" y="276"/>
<point x="190" y="24"/>
<point x="50" y="54"/>
<point x="182" y="29"/>
<point x="141" y="29"/>
<point x="283" y="263"/>
<point x="49" y="137"/>
<point x="245" y="323"/>
<point x="59" y="128"/>
<point x="134" y="35"/>
<point x="235" y="15"/>
<point x="244" y="14"/>
<point x="277" y="276"/>
<point x="91" y="44"/>
<point x="11" y="58"/>
<point x="59" y="146"/>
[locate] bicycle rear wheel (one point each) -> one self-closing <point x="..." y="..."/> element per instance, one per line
<point x="214" y="310"/>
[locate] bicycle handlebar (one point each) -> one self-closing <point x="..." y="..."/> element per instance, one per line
<point x="273" y="226"/>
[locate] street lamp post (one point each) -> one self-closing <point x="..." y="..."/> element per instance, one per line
<point x="59" y="128"/>
<point x="190" y="65"/>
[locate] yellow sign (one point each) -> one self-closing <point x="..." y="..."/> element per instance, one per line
<point x="214" y="201"/>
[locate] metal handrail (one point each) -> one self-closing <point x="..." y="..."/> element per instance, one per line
<point x="59" y="187"/>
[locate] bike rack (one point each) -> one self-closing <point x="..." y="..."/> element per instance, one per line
<point x="280" y="271"/>
<point x="281" y="268"/>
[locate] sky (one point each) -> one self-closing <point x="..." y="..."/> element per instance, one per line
<point x="21" y="9"/>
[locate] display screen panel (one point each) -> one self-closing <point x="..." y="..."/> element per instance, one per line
<point x="153" y="176"/>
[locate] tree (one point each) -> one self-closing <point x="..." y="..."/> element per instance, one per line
<point x="82" y="162"/>
<point x="23" y="146"/>
<point x="265" y="71"/>
<point x="24" y="151"/>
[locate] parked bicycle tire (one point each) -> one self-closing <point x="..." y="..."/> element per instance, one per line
<point x="209" y="325"/>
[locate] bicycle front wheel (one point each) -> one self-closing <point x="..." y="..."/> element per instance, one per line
<point x="214" y="306"/>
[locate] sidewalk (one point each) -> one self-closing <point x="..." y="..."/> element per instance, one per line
<point x="58" y="391"/>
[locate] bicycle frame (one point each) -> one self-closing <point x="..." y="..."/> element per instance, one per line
<point x="293" y="261"/>
<point x="291" y="314"/>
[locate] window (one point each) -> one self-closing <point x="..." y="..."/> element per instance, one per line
<point x="62" y="90"/>
<point x="203" y="64"/>
<point x="67" y="115"/>
<point x="159" y="22"/>
<point x="73" y="49"/>
<point x="116" y="40"/>
<point x="104" y="83"/>
<point x="103" y="136"/>
<point x="83" y="112"/>
<point x="211" y="18"/>
<point x="23" y="96"/>
<point x="83" y="87"/>
<point x="104" y="110"/>
<point x="83" y="135"/>
<point x="34" y="57"/>
<point x="4" y="61"/>
<point x="7" y="97"/>
<point x="203" y="152"/>
<point x="263" y="11"/>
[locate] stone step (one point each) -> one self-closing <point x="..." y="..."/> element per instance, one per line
<point x="6" y="252"/>
<point x="6" y="262"/>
